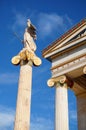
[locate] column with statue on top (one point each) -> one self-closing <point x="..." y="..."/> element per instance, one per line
<point x="26" y="59"/>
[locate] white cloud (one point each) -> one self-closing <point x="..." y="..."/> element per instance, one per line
<point x="6" y="118"/>
<point x="49" y="24"/>
<point x="40" y="123"/>
<point x="8" y="78"/>
<point x="68" y="19"/>
<point x="19" y="21"/>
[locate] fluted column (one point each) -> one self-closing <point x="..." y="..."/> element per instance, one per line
<point x="22" y="120"/>
<point x="61" y="102"/>
<point x="61" y="108"/>
<point x="26" y="59"/>
<point x="81" y="110"/>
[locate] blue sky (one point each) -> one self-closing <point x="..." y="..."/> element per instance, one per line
<point x="51" y="18"/>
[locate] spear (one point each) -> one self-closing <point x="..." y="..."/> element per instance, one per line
<point x="18" y="37"/>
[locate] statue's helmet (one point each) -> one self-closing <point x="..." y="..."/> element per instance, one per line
<point x="30" y="25"/>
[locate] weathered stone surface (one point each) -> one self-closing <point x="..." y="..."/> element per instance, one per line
<point x="22" y="120"/>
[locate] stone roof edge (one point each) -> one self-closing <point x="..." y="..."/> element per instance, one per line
<point x="63" y="36"/>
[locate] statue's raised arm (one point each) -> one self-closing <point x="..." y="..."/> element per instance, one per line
<point x="30" y="37"/>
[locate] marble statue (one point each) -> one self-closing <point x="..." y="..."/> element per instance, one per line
<point x="28" y="52"/>
<point x="30" y="37"/>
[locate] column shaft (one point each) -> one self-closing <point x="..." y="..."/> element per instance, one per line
<point x="81" y="113"/>
<point x="22" y="120"/>
<point x="61" y="108"/>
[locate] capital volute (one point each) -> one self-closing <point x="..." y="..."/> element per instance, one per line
<point x="25" y="57"/>
<point x="60" y="81"/>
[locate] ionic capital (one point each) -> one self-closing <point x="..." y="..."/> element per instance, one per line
<point x="62" y="80"/>
<point x="24" y="57"/>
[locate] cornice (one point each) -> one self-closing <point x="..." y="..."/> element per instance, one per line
<point x="63" y="37"/>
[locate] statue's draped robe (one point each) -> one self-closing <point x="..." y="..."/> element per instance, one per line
<point x="29" y="42"/>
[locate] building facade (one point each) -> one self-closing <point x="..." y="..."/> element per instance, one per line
<point x="68" y="57"/>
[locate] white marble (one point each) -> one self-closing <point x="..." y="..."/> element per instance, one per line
<point x="22" y="120"/>
<point x="61" y="108"/>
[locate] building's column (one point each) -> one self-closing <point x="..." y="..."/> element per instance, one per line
<point x="80" y="93"/>
<point x="61" y="102"/>
<point x="26" y="60"/>
<point x="81" y="110"/>
<point x="61" y="108"/>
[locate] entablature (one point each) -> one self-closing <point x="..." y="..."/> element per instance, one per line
<point x="73" y="68"/>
